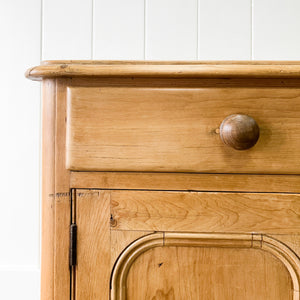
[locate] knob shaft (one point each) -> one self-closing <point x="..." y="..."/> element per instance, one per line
<point x="240" y="132"/>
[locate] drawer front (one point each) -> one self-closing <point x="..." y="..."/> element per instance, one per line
<point x="177" y="129"/>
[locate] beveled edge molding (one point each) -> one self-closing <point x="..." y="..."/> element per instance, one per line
<point x="217" y="240"/>
<point x="179" y="69"/>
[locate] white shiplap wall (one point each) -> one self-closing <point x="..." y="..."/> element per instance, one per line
<point x="20" y="23"/>
<point x="32" y="30"/>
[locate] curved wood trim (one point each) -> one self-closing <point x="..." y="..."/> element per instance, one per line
<point x="195" y="69"/>
<point x="286" y="256"/>
<point x="161" y="239"/>
<point x="127" y="257"/>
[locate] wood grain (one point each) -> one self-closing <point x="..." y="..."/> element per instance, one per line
<point x="120" y="239"/>
<point x="164" y="82"/>
<point x="62" y="199"/>
<point x="93" y="260"/>
<point x="225" y="228"/>
<point x="205" y="212"/>
<point x="160" y="243"/>
<point x="291" y="240"/>
<point x="48" y="191"/>
<point x="165" y="69"/>
<point x="176" y="130"/>
<point x="233" y="274"/>
<point x="186" y="181"/>
<point x="55" y="275"/>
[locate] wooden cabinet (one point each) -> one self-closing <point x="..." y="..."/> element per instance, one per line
<point x="144" y="193"/>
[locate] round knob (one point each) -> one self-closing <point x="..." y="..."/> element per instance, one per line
<point x="240" y="132"/>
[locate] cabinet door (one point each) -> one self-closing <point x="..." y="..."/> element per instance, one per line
<point x="158" y="245"/>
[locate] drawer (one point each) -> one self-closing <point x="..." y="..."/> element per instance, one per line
<point x="176" y="129"/>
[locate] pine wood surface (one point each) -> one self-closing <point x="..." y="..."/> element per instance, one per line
<point x="234" y="226"/>
<point x="120" y="239"/>
<point x="233" y="274"/>
<point x="55" y="275"/>
<point x="62" y="198"/>
<point x="205" y="212"/>
<point x="177" y="130"/>
<point x="186" y="181"/>
<point x="164" y="82"/>
<point x="291" y="240"/>
<point x="199" y="69"/>
<point x="93" y="253"/>
<point x="271" y="247"/>
<point x="227" y="259"/>
<point x="48" y="191"/>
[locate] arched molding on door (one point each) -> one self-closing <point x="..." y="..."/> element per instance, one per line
<point x="217" y="240"/>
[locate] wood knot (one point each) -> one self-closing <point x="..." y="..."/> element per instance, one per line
<point x="113" y="222"/>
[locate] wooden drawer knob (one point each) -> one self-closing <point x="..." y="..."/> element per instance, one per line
<point x="240" y="132"/>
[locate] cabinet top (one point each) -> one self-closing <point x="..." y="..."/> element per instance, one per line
<point x="171" y="69"/>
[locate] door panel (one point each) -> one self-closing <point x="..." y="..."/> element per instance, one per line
<point x="120" y="264"/>
<point x="208" y="273"/>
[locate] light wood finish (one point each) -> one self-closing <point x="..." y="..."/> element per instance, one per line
<point x="165" y="69"/>
<point x="164" y="82"/>
<point x="62" y="198"/>
<point x="93" y="267"/>
<point x="260" y="265"/>
<point x="291" y="240"/>
<point x="176" y="130"/>
<point x="55" y="276"/>
<point x="120" y="239"/>
<point x="186" y="181"/>
<point x="230" y="232"/>
<point x="269" y="279"/>
<point x="205" y="212"/>
<point x="247" y="275"/>
<point x="48" y="191"/>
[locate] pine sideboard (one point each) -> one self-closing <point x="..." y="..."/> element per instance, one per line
<point x="170" y="180"/>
